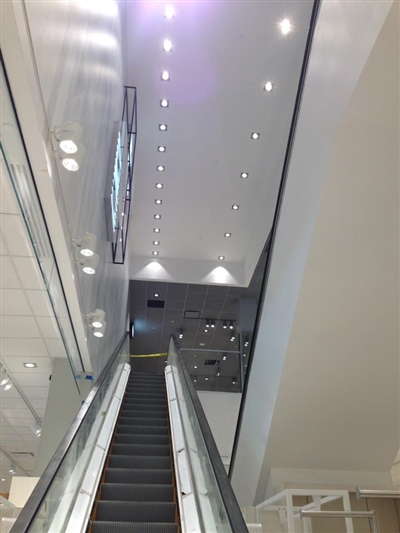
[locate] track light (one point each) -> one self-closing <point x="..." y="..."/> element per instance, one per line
<point x="212" y="324"/>
<point x="233" y="381"/>
<point x="88" y="264"/>
<point x="5" y="380"/>
<point x="232" y="338"/>
<point x="66" y="143"/>
<point x="231" y="325"/>
<point x="181" y="334"/>
<point x="86" y="245"/>
<point x="207" y="323"/>
<point x="225" y="324"/>
<point x="36" y="427"/>
<point x="99" y="332"/>
<point x="96" y="319"/>
<point x="12" y="468"/>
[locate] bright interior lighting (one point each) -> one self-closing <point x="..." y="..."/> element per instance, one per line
<point x="160" y="168"/>
<point x="68" y="146"/>
<point x="161" y="148"/>
<point x="98" y="334"/>
<point x="156" y="230"/>
<point x="255" y="135"/>
<point x="4" y="380"/>
<point x="89" y="270"/>
<point x="159" y="185"/>
<point x="156" y="243"/>
<point x="162" y="127"/>
<point x="164" y="103"/>
<point x="167" y="45"/>
<point x="157" y="217"/>
<point x="155" y="253"/>
<point x="158" y="202"/>
<point x="8" y="386"/>
<point x="244" y="175"/>
<point x="30" y="365"/>
<point x="235" y="207"/>
<point x="70" y="164"/>
<point x="156" y="295"/>
<point x="165" y="75"/>
<point x="221" y="257"/>
<point x="97" y="324"/>
<point x="268" y="86"/>
<point x="206" y="379"/>
<point x="285" y="26"/>
<point x="87" y="252"/>
<point x="169" y="12"/>
<point x="227" y="234"/>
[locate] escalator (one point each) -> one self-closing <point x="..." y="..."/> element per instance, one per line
<point x="137" y="494"/>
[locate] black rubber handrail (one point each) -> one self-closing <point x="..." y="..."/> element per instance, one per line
<point x="278" y="207"/>
<point x="228" y="497"/>
<point x="34" y="503"/>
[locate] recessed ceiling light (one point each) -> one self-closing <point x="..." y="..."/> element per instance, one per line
<point x="285" y="26"/>
<point x="244" y="175"/>
<point x="156" y="230"/>
<point x="159" y="185"/>
<point x="155" y="253"/>
<point x="167" y="45"/>
<point x="195" y="366"/>
<point x="156" y="295"/>
<point x="235" y="207"/>
<point x="165" y="75"/>
<point x="206" y="379"/>
<point x="156" y="243"/>
<point x="227" y="234"/>
<point x="255" y="135"/>
<point x="157" y="217"/>
<point x="158" y="202"/>
<point x="169" y="12"/>
<point x="30" y="365"/>
<point x="160" y="168"/>
<point x="161" y="148"/>
<point x="164" y="102"/>
<point x="98" y="334"/>
<point x="162" y="127"/>
<point x="221" y="257"/>
<point x="268" y="86"/>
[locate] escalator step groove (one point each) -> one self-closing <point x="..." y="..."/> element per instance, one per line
<point x="123" y="527"/>
<point x="131" y="421"/>
<point x="159" y="450"/>
<point x="137" y="492"/>
<point x="138" y="476"/>
<point x="129" y="429"/>
<point x="141" y="461"/>
<point x="138" y="413"/>
<point x="136" y="511"/>
<point x="141" y="439"/>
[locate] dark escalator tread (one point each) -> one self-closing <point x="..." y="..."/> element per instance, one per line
<point x="123" y="527"/>
<point x="136" y="511"/>
<point x="131" y="421"/>
<point x="145" y="403"/>
<point x="159" y="450"/>
<point x="128" y="429"/>
<point x="141" y="461"/>
<point x="141" y="439"/>
<point x="139" y="413"/>
<point x="138" y="476"/>
<point x="137" y="492"/>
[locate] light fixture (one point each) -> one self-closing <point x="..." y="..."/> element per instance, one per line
<point x="232" y="338"/>
<point x="29" y="365"/>
<point x="218" y="374"/>
<point x="155" y="252"/>
<point x="36" y="427"/>
<point x="205" y="330"/>
<point x="221" y="257"/>
<point x="285" y="26"/>
<point x="156" y="243"/>
<point x="233" y="381"/>
<point x="227" y="234"/>
<point x="195" y="366"/>
<point x="167" y="45"/>
<point x="165" y="75"/>
<point x="99" y="332"/>
<point x="156" y="295"/>
<point x="255" y="135"/>
<point x="268" y="86"/>
<point x="246" y="343"/>
<point x="157" y="217"/>
<point x="66" y="143"/>
<point x="224" y="358"/>
<point x="8" y="386"/>
<point x="5" y="380"/>
<point x="156" y="230"/>
<point x="162" y="127"/>
<point x="12" y="468"/>
<point x="161" y="149"/>
<point x="86" y="245"/>
<point x="212" y="324"/>
<point x="207" y="323"/>
<point x="88" y="264"/>
<point x="235" y="207"/>
<point x="160" y="168"/>
<point x="225" y="324"/>
<point x="195" y="380"/>
<point x="206" y="379"/>
<point x="96" y="319"/>
<point x="181" y="333"/>
<point x="164" y="102"/>
<point x="244" y="175"/>
<point x="159" y="185"/>
<point x="169" y="12"/>
<point x="158" y="202"/>
<point x="231" y="325"/>
<point x="72" y="162"/>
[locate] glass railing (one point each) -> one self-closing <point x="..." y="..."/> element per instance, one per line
<point x="50" y="504"/>
<point x="218" y="510"/>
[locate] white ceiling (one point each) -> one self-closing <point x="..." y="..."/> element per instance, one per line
<point x="223" y="53"/>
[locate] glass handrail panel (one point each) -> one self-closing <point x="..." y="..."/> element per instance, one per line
<point x="51" y="502"/>
<point x="217" y="506"/>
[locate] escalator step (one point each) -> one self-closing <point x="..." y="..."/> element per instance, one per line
<point x="123" y="527"/>
<point x="137" y="492"/>
<point x="141" y="439"/>
<point x="145" y="395"/>
<point x="159" y="450"/>
<point x="139" y="476"/>
<point x="149" y="402"/>
<point x="136" y="511"/>
<point x="132" y="421"/>
<point x="128" y="429"/>
<point x="128" y="411"/>
<point x="141" y="461"/>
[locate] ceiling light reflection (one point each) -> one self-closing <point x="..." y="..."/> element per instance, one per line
<point x="285" y="26"/>
<point x="167" y="45"/>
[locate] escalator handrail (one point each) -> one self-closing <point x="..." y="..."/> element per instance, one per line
<point x="32" y="506"/>
<point x="228" y="497"/>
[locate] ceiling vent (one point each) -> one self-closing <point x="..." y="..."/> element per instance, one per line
<point x="211" y="362"/>
<point x="23" y="453"/>
<point x="191" y="314"/>
<point x="157" y="304"/>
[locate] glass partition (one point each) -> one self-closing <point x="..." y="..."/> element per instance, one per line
<point x="50" y="505"/>
<point x="216" y="503"/>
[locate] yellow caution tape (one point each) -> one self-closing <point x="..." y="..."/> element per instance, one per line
<point x="151" y="355"/>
